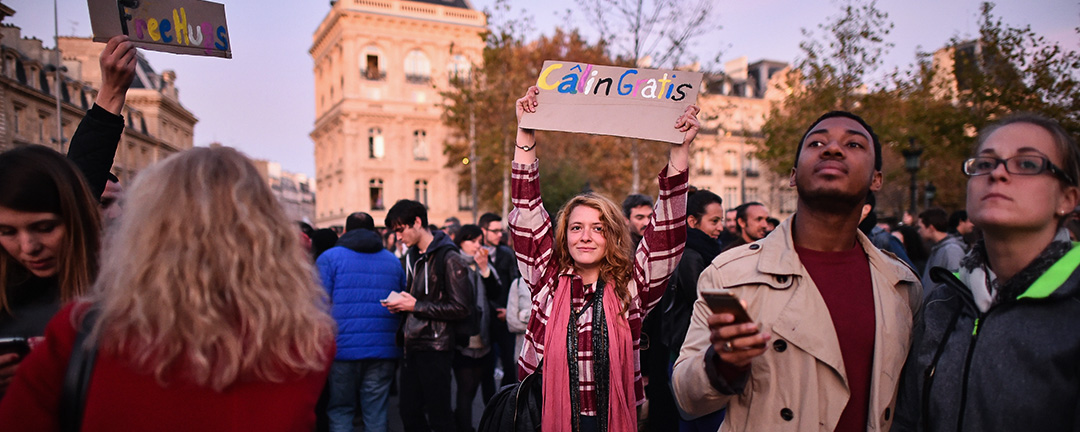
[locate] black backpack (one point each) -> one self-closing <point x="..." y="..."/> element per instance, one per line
<point x="516" y="407"/>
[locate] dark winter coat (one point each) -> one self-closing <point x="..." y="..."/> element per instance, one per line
<point x="443" y="298"/>
<point x="1015" y="367"/>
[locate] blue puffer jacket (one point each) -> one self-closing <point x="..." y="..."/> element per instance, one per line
<point x="357" y="273"/>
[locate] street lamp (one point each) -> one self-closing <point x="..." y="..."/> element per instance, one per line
<point x="931" y="192"/>
<point x="911" y="163"/>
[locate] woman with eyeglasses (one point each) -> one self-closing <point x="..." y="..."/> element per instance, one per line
<point x="996" y="347"/>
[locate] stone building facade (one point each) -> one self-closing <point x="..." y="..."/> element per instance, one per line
<point x="379" y="67"/>
<point x="294" y="191"/>
<point x="157" y="124"/>
<point x="734" y="107"/>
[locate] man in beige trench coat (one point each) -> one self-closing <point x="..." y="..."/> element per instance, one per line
<point x="831" y="313"/>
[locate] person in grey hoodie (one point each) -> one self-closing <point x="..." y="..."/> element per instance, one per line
<point x="946" y="250"/>
<point x="995" y="347"/>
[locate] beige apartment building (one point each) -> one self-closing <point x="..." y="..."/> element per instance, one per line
<point x="379" y="67"/>
<point x="734" y="107"/>
<point x="157" y="124"/>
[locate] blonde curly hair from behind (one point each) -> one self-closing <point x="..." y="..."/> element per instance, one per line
<point x="616" y="266"/>
<point x="206" y="280"/>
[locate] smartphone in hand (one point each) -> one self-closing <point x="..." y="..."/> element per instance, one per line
<point x="726" y="302"/>
<point x="14" y="345"/>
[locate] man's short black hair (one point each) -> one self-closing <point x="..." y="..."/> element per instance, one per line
<point x="359" y="220"/>
<point x="935" y="217"/>
<point x="404" y="213"/>
<point x="845" y="114"/>
<point x="634" y="201"/>
<point x="488" y="218"/>
<point x="955" y="218"/>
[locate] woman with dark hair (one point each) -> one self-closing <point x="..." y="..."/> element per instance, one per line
<point x="589" y="295"/>
<point x="50" y="223"/>
<point x="209" y="315"/>
<point x="995" y="347"/>
<point x="474" y="361"/>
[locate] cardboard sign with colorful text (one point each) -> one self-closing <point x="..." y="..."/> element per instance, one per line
<point x="193" y="27"/>
<point x="609" y="100"/>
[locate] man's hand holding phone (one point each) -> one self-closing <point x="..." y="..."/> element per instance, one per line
<point x="734" y="336"/>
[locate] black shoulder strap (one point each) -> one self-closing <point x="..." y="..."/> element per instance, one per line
<point x="77" y="379"/>
<point x="439" y="259"/>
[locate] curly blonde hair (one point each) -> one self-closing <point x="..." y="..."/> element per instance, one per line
<point x="206" y="280"/>
<point x="615" y="266"/>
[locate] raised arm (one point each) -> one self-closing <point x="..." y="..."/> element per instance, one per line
<point x="530" y="225"/>
<point x="664" y="238"/>
<point x="93" y="146"/>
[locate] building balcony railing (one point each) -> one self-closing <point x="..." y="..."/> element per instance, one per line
<point x="417" y="79"/>
<point x="753" y="173"/>
<point x="704" y="171"/>
<point x="374" y="76"/>
<point x="731" y="173"/>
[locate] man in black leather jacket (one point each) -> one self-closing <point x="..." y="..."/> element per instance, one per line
<point x="438" y="295"/>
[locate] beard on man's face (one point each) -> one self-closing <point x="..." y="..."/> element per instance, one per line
<point x="830" y="198"/>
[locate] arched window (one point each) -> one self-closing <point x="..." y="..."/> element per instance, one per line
<point x="459" y="67"/>
<point x="420" y="190"/>
<point x="417" y="67"/>
<point x="370" y="64"/>
<point x="420" y="147"/>
<point x="375" y="192"/>
<point x="376" y="146"/>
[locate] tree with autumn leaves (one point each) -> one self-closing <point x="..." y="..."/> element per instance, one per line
<point x="938" y="104"/>
<point x="484" y="101"/>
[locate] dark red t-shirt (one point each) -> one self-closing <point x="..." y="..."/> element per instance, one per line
<point x="843" y="279"/>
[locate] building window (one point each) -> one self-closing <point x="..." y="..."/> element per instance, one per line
<point x="376" y="146"/>
<point x="459" y="68"/>
<point x="420" y="147"/>
<point x="18" y="118"/>
<point x="417" y="67"/>
<point x="704" y="163"/>
<point x="752" y="194"/>
<point x="751" y="165"/>
<point x="464" y="200"/>
<point x="420" y="190"/>
<point x="369" y="64"/>
<point x="375" y="191"/>
<point x="731" y="197"/>
<point x="731" y="163"/>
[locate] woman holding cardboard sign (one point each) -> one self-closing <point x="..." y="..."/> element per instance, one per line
<point x="589" y="293"/>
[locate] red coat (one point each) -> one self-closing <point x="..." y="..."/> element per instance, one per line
<point x="121" y="399"/>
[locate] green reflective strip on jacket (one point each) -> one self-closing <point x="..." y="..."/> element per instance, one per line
<point x="1056" y="275"/>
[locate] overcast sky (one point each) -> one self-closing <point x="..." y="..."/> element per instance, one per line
<point x="261" y="101"/>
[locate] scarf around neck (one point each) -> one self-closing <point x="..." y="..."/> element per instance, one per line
<point x="986" y="288"/>
<point x="558" y="415"/>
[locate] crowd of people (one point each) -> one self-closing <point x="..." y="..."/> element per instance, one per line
<point x="187" y="301"/>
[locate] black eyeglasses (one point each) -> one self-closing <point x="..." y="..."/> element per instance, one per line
<point x="1019" y="165"/>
